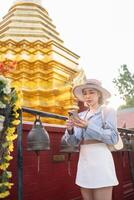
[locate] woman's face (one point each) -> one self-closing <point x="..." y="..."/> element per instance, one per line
<point x="91" y="96"/>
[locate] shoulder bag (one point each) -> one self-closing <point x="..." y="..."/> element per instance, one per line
<point x="112" y="147"/>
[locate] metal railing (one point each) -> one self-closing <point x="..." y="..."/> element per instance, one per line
<point x="19" y="140"/>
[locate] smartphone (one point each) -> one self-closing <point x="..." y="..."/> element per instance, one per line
<point x="73" y="113"/>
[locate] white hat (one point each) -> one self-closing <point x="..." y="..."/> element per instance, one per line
<point x="91" y="84"/>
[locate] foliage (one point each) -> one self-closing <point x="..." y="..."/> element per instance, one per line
<point x="125" y="85"/>
<point x="9" y="119"/>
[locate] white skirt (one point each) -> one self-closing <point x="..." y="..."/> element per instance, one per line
<point x="95" y="167"/>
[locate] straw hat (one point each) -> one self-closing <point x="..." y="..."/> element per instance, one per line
<point x="91" y="84"/>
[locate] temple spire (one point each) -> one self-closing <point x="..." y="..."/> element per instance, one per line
<point x="45" y="67"/>
<point x="28" y="1"/>
<point x="28" y="20"/>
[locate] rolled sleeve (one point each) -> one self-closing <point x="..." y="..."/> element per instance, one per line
<point x="107" y="134"/>
<point x="71" y="139"/>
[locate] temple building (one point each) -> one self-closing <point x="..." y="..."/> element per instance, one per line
<point x="46" y="70"/>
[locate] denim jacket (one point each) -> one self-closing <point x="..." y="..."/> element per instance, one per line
<point x="97" y="129"/>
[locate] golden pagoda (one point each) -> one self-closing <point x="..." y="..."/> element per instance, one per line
<point x="46" y="70"/>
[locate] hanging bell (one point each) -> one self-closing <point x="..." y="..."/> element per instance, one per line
<point x="132" y="142"/>
<point x="126" y="143"/>
<point x="38" y="138"/>
<point x="68" y="148"/>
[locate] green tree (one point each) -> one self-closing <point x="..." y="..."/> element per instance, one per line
<point x="125" y="85"/>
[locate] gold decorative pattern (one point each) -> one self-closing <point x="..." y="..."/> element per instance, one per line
<point x="45" y="67"/>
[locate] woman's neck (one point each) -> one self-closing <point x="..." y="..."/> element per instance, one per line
<point x="93" y="108"/>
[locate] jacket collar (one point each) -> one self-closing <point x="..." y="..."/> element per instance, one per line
<point x="88" y="115"/>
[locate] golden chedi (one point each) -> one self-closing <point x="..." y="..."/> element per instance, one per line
<point x="46" y="69"/>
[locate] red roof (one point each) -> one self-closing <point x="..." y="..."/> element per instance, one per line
<point x="126" y="116"/>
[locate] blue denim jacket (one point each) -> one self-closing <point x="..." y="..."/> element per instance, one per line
<point x="104" y="130"/>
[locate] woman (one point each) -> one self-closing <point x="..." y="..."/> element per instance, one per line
<point x="95" y="171"/>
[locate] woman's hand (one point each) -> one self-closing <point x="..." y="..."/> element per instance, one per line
<point x="80" y="122"/>
<point x="69" y="125"/>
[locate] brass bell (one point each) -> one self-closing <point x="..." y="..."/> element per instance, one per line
<point x="132" y="142"/>
<point x="126" y="142"/>
<point x="68" y="148"/>
<point x="38" y="138"/>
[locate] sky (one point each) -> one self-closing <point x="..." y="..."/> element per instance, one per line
<point x="100" y="32"/>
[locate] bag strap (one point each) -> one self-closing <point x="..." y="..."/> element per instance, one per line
<point x="119" y="144"/>
<point x="104" y="111"/>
